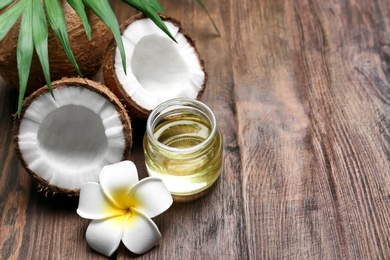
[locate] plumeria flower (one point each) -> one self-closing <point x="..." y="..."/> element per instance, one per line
<point x="121" y="208"/>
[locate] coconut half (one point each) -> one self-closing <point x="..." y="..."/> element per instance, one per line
<point x="158" y="69"/>
<point x="65" y="142"/>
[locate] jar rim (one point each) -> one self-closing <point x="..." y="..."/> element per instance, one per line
<point x="183" y="102"/>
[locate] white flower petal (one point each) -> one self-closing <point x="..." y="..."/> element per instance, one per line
<point x="150" y="196"/>
<point x="105" y="235"/>
<point x="93" y="204"/>
<point x="140" y="234"/>
<point x="117" y="179"/>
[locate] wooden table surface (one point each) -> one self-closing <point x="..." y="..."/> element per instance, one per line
<point x="301" y="92"/>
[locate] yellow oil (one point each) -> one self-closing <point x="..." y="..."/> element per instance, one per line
<point x="191" y="164"/>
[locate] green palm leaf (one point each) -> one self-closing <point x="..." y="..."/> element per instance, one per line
<point x="57" y="22"/>
<point x="40" y="35"/>
<point x="146" y="8"/>
<point x="103" y="10"/>
<point x="155" y="4"/>
<point x="24" y="51"/>
<point x="9" y="17"/>
<point x="5" y="3"/>
<point x="78" y="6"/>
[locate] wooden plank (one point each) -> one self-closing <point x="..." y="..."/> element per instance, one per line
<point x="308" y="128"/>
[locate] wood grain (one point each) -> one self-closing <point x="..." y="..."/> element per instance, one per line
<point x="301" y="93"/>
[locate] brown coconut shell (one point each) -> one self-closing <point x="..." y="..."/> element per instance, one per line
<point x="88" y="54"/>
<point x="111" y="79"/>
<point x="78" y="83"/>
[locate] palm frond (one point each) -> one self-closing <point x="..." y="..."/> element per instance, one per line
<point x="103" y="10"/>
<point x="5" y="3"/>
<point x="25" y="50"/>
<point x="9" y="17"/>
<point x="146" y="8"/>
<point x="57" y="22"/>
<point x="155" y="4"/>
<point x="78" y="6"/>
<point x="40" y="36"/>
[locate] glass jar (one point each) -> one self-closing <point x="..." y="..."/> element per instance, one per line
<point x="183" y="147"/>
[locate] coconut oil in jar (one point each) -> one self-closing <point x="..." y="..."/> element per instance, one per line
<point x="183" y="147"/>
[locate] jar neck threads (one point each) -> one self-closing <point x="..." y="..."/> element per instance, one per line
<point x="177" y="108"/>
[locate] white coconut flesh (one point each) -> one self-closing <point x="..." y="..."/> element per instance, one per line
<point x="158" y="69"/>
<point x="67" y="141"/>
